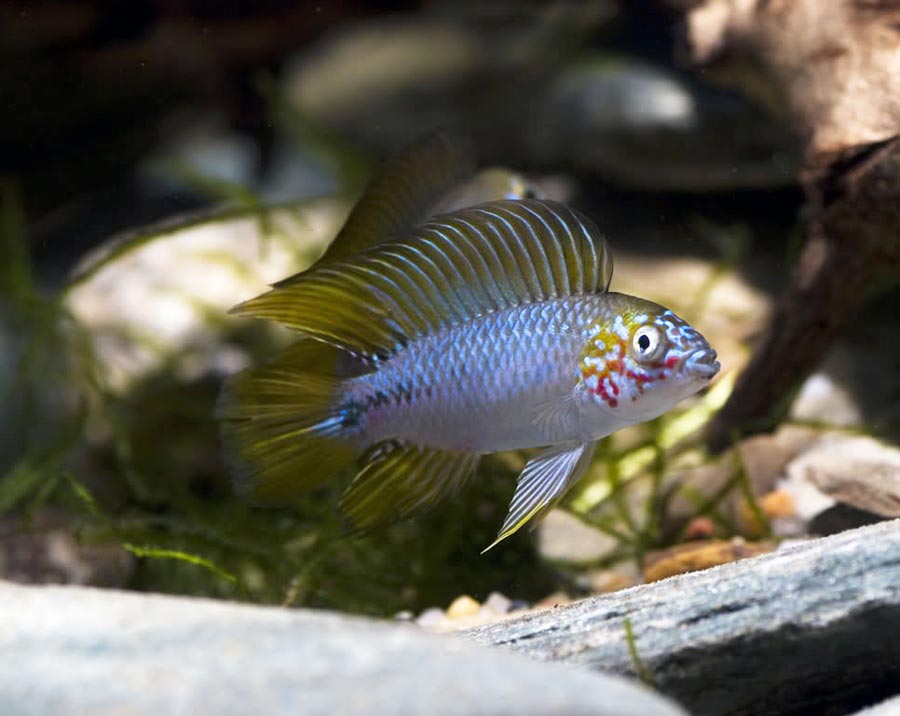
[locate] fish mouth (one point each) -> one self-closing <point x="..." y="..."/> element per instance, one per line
<point x="702" y="363"/>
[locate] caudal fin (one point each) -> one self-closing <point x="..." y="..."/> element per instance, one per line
<point x="284" y="426"/>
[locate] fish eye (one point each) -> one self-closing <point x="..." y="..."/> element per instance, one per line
<point x="647" y="343"/>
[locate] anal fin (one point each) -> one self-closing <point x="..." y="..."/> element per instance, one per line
<point x="400" y="480"/>
<point x="542" y="484"/>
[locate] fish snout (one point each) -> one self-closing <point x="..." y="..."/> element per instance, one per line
<point x="702" y="363"/>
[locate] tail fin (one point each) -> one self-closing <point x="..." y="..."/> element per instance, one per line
<point x="284" y="427"/>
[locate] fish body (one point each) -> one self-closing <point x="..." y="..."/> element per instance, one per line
<point x="480" y="385"/>
<point x="518" y="378"/>
<point x="488" y="328"/>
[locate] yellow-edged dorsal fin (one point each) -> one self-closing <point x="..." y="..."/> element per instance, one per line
<point x="451" y="269"/>
<point x="402" y="193"/>
<point x="401" y="480"/>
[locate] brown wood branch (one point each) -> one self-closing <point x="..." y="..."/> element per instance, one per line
<point x="832" y="69"/>
<point x="853" y="239"/>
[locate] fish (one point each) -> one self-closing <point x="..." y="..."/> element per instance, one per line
<point x="486" y="329"/>
<point x="434" y="174"/>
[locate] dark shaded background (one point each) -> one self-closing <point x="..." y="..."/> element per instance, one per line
<point x="92" y="90"/>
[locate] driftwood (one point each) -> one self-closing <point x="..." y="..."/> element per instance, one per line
<point x="831" y="68"/>
<point x="798" y="631"/>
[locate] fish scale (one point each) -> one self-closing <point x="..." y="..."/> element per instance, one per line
<point x="479" y="385"/>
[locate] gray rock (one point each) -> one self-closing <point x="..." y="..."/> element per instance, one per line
<point x="82" y="651"/>
<point x="644" y="126"/>
<point x="891" y="707"/>
<point x="853" y="470"/>
<point x="793" y="632"/>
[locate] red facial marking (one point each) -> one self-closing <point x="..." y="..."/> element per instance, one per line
<point x="640" y="379"/>
<point x="602" y="392"/>
<point x="612" y="367"/>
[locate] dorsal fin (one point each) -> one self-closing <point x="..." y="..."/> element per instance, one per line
<point x="489" y="184"/>
<point x="401" y="194"/>
<point x="454" y="268"/>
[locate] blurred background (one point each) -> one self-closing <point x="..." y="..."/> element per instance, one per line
<point x="162" y="160"/>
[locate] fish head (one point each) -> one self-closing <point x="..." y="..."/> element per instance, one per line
<point x="641" y="359"/>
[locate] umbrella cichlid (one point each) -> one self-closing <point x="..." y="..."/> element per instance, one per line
<point x="425" y="347"/>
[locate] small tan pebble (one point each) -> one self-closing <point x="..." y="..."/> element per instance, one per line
<point x="433" y="618"/>
<point x="778" y="504"/>
<point x="602" y="581"/>
<point x="404" y="616"/>
<point x="763" y="458"/>
<point x="695" y="556"/>
<point x="463" y="606"/>
<point x="496" y="603"/>
<point x="775" y="505"/>
<point x="557" y="599"/>
<point x="613" y="582"/>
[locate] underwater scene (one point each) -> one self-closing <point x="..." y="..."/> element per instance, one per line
<point x="563" y="328"/>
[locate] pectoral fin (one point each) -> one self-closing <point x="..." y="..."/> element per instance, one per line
<point x="543" y="482"/>
<point x="558" y="415"/>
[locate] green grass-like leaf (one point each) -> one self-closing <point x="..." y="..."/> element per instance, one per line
<point x="639" y="667"/>
<point x="158" y="553"/>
